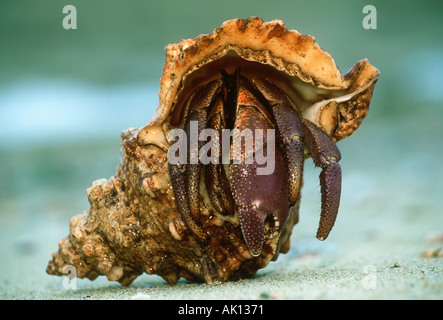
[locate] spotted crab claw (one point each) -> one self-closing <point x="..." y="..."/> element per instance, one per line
<point x="258" y="196"/>
<point x="326" y="155"/>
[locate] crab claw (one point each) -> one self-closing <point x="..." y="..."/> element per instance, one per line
<point x="258" y="195"/>
<point x="253" y="226"/>
<point x="326" y="155"/>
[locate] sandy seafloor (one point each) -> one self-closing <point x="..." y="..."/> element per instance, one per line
<point x="390" y="210"/>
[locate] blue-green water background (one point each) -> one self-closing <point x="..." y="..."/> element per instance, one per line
<point x="65" y="95"/>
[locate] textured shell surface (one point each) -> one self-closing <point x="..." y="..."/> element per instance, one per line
<point x="133" y="224"/>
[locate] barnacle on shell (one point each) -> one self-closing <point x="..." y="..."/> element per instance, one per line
<point x="133" y="224"/>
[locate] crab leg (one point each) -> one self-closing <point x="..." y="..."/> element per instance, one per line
<point x="185" y="178"/>
<point x="177" y="175"/>
<point x="197" y="118"/>
<point x="217" y="182"/>
<point x="290" y="127"/>
<point x="326" y="155"/>
<point x="200" y="104"/>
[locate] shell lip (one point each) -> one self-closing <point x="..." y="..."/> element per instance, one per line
<point x="311" y="73"/>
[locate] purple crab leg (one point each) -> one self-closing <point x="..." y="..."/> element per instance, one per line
<point x="326" y="155"/>
<point x="290" y="127"/>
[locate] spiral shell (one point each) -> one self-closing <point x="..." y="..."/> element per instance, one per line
<point x="133" y="225"/>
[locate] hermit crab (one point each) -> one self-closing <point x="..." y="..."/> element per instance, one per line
<point x="209" y="189"/>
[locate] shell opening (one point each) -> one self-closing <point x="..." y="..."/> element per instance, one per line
<point x="303" y="94"/>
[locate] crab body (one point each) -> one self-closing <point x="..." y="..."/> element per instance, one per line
<point x="209" y="189"/>
<point x="252" y="106"/>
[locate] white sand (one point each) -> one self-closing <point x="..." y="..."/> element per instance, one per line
<point x="369" y="255"/>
